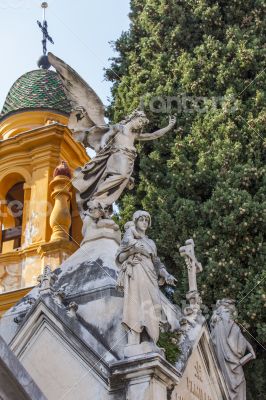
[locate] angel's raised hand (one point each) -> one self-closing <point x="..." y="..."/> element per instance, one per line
<point x="172" y="120"/>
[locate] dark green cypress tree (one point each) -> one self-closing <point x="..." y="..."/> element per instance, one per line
<point x="206" y="179"/>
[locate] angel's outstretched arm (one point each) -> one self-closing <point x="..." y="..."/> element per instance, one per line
<point x="159" y="133"/>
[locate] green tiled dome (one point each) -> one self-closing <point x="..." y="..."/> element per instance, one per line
<point x="38" y="89"/>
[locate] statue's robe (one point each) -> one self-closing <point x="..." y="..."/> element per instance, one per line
<point x="106" y="176"/>
<point x="139" y="279"/>
<point x="230" y="346"/>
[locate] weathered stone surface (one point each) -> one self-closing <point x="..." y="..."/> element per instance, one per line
<point x="59" y="350"/>
<point x="15" y="382"/>
<point x="201" y="378"/>
<point x="92" y="267"/>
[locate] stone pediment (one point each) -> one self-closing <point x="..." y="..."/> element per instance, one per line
<point x="201" y="377"/>
<point x="61" y="354"/>
<point x="64" y="357"/>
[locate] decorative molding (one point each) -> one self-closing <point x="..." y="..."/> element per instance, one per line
<point x="9" y="299"/>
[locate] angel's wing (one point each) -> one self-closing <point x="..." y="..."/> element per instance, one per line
<point x="88" y="109"/>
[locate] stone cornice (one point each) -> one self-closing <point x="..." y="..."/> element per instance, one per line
<point x="42" y="140"/>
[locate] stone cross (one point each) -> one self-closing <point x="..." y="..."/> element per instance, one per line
<point x="46" y="280"/>
<point x="193" y="265"/>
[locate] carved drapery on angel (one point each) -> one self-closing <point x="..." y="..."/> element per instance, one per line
<point x="105" y="177"/>
<point x="231" y="347"/>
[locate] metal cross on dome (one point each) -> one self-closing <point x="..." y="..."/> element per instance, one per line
<point x="44" y="28"/>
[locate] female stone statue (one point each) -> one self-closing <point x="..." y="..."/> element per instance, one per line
<point x="140" y="270"/>
<point x="106" y="176"/>
<point x="231" y="348"/>
<point x="109" y="173"/>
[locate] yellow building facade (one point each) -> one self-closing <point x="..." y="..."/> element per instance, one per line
<point x="39" y="220"/>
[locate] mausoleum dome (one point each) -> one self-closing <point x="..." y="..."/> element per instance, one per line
<point x="40" y="89"/>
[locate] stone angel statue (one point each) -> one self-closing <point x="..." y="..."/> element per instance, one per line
<point x="105" y="177"/>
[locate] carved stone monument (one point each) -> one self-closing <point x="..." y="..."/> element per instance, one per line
<point x="232" y="349"/>
<point x="90" y="329"/>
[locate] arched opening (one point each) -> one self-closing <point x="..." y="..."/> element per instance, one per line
<point x="12" y="216"/>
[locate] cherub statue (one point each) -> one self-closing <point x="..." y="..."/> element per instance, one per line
<point x="105" y="177"/>
<point x="232" y="349"/>
<point x="96" y="216"/>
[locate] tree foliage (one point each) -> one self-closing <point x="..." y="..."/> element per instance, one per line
<point x="206" y="179"/>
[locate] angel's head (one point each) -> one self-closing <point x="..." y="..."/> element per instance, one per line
<point x="137" y="119"/>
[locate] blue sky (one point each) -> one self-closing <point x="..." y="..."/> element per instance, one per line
<point x="81" y="29"/>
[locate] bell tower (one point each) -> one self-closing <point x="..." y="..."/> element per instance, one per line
<point x="39" y="220"/>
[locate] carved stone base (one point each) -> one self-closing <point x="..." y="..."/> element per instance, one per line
<point x="133" y="350"/>
<point x="104" y="229"/>
<point x="148" y="377"/>
<point x="107" y="233"/>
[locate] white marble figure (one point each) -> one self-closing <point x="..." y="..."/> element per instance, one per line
<point x="140" y="271"/>
<point x="105" y="177"/>
<point x="232" y="349"/>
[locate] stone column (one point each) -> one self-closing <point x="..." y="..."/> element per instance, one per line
<point x="149" y="377"/>
<point x="60" y="219"/>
